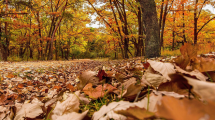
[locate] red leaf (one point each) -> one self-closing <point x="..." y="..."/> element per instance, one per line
<point x="101" y="74"/>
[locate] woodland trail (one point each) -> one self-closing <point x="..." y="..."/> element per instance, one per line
<point x="37" y="64"/>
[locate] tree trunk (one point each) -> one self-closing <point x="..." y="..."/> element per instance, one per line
<point x="4" y="44"/>
<point x="183" y="23"/>
<point x="195" y="23"/>
<point x="40" y="49"/>
<point x="173" y="32"/>
<point x="163" y="22"/>
<point x="140" y="34"/>
<point x="152" y="41"/>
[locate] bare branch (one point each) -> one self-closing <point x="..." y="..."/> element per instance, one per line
<point x="206" y="24"/>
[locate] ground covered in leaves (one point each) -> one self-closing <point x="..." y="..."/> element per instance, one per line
<point x="178" y="88"/>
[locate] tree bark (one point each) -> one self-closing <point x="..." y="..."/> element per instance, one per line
<point x="163" y="22"/>
<point x="152" y="42"/>
<point x="173" y="32"/>
<point x="195" y="23"/>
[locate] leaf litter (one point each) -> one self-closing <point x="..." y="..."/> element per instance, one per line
<point x="160" y="88"/>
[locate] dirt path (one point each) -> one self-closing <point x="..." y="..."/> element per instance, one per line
<point x="38" y="64"/>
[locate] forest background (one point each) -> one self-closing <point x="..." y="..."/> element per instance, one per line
<point x="59" y="29"/>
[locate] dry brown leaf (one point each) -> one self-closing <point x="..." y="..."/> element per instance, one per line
<point x="164" y="68"/>
<point x="3" y="112"/>
<point x="10" y="75"/>
<point x="87" y="77"/>
<point x="189" y="52"/>
<point x="122" y="89"/>
<point x="136" y="113"/>
<point x="203" y="64"/>
<point x="144" y="82"/>
<point x="84" y="99"/>
<point x="173" y="94"/>
<point x="99" y="91"/>
<point x="71" y="104"/>
<point x="154" y="79"/>
<point x="107" y="112"/>
<point x="70" y="87"/>
<point x="195" y="73"/>
<point x="120" y="77"/>
<point x="205" y="89"/>
<point x="178" y="84"/>
<point x="185" y="109"/>
<point x="131" y="92"/>
<point x="72" y="116"/>
<point x="28" y="110"/>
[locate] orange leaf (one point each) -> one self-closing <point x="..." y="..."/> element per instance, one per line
<point x="70" y="87"/>
<point x="99" y="91"/>
<point x="20" y="86"/>
<point x="185" y="109"/>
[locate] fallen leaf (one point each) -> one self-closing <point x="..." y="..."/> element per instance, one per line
<point x="101" y="74"/>
<point x="120" y="77"/>
<point x="166" y="93"/>
<point x="146" y="65"/>
<point x="72" y="116"/>
<point x="87" y="77"/>
<point x="131" y="92"/>
<point x="195" y="73"/>
<point x="3" y="112"/>
<point x="203" y="64"/>
<point x="71" y="104"/>
<point x="10" y="75"/>
<point x="124" y="86"/>
<point x="70" y="87"/>
<point x="164" y="68"/>
<point x="205" y="89"/>
<point x="99" y="91"/>
<point x="178" y="84"/>
<point x="28" y="110"/>
<point x="185" y="109"/>
<point x="136" y="113"/>
<point x="189" y="52"/>
<point x="154" y="79"/>
<point x="107" y="111"/>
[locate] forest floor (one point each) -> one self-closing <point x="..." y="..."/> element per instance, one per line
<point x="165" y="87"/>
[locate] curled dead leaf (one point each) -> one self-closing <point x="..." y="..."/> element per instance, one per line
<point x="164" y="68"/>
<point x="87" y="77"/>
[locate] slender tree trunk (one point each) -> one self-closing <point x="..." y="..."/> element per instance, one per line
<point x="161" y="14"/>
<point x="140" y="34"/>
<point x="152" y="41"/>
<point x="173" y="32"/>
<point x="1" y="45"/>
<point x="195" y="23"/>
<point x="183" y="24"/>
<point x="40" y="51"/>
<point x="126" y="40"/>
<point x="163" y="22"/>
<point x="56" y="50"/>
